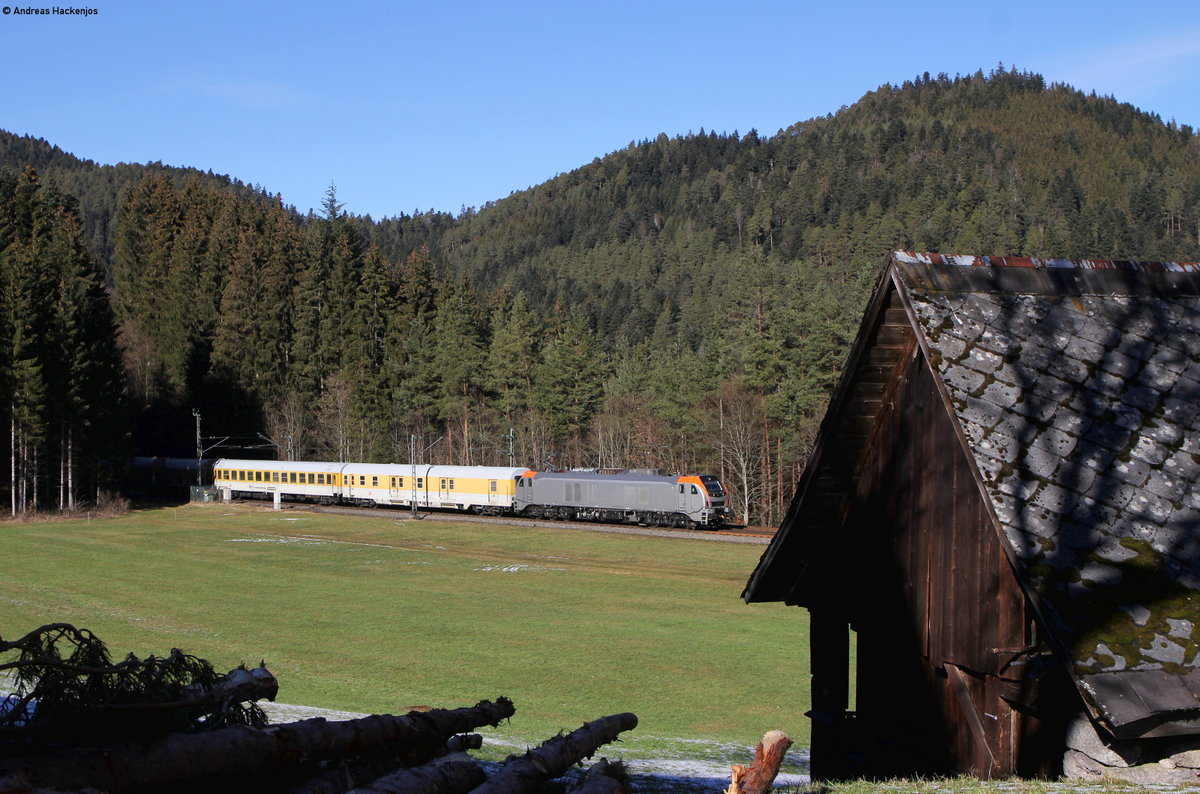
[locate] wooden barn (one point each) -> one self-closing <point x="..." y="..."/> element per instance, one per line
<point x="997" y="536"/>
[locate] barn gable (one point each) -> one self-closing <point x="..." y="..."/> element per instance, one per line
<point x="1021" y="432"/>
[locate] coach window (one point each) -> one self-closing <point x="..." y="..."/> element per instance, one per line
<point x="452" y="485"/>
<point x="374" y="481"/>
<point x="320" y="479"/>
<point x="258" y="476"/>
<point x="420" y="483"/>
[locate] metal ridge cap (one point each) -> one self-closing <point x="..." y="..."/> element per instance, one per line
<point x="967" y="260"/>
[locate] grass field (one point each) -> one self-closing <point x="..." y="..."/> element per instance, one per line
<point x="380" y="614"/>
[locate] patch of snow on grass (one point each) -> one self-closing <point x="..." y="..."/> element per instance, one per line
<point x="278" y="539"/>
<point x="307" y="541"/>
<point x="518" y="568"/>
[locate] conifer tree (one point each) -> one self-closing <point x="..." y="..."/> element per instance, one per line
<point x="60" y="380"/>
<point x="570" y="382"/>
<point x="512" y="356"/>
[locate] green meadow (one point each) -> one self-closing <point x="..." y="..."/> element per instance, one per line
<point x="381" y="614"/>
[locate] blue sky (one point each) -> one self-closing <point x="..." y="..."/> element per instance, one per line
<point x="412" y="106"/>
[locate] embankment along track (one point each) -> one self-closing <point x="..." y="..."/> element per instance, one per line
<point x="759" y="535"/>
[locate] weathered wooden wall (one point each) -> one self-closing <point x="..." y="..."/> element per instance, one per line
<point x="937" y="610"/>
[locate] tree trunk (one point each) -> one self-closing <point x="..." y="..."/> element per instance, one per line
<point x="413" y="738"/>
<point x="12" y="459"/>
<point x="555" y="757"/>
<point x="70" y="468"/>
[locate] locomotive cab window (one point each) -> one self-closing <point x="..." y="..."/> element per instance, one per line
<point x="695" y="490"/>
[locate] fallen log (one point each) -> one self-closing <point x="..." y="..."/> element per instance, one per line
<point x="70" y="692"/>
<point x="361" y="771"/>
<point x="758" y="777"/>
<point x="413" y="739"/>
<point x="603" y="777"/>
<point x="238" y="685"/>
<point x="456" y="776"/>
<point x="554" y="757"/>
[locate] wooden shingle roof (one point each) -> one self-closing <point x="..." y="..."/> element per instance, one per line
<point x="1075" y="387"/>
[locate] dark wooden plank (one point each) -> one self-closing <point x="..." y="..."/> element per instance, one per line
<point x="980" y="753"/>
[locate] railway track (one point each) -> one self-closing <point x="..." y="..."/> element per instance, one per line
<point x="760" y="535"/>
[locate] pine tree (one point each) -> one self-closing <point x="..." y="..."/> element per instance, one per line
<point x="570" y="383"/>
<point x="60" y="379"/>
<point x="458" y="360"/>
<point x="512" y="357"/>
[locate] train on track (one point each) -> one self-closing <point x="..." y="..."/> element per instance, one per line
<point x="629" y="496"/>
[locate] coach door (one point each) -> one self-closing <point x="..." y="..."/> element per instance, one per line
<point x="493" y="492"/>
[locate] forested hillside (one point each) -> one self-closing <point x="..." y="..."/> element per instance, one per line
<point x="684" y="302"/>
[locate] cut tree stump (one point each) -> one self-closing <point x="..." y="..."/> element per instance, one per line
<point x="758" y="777"/>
